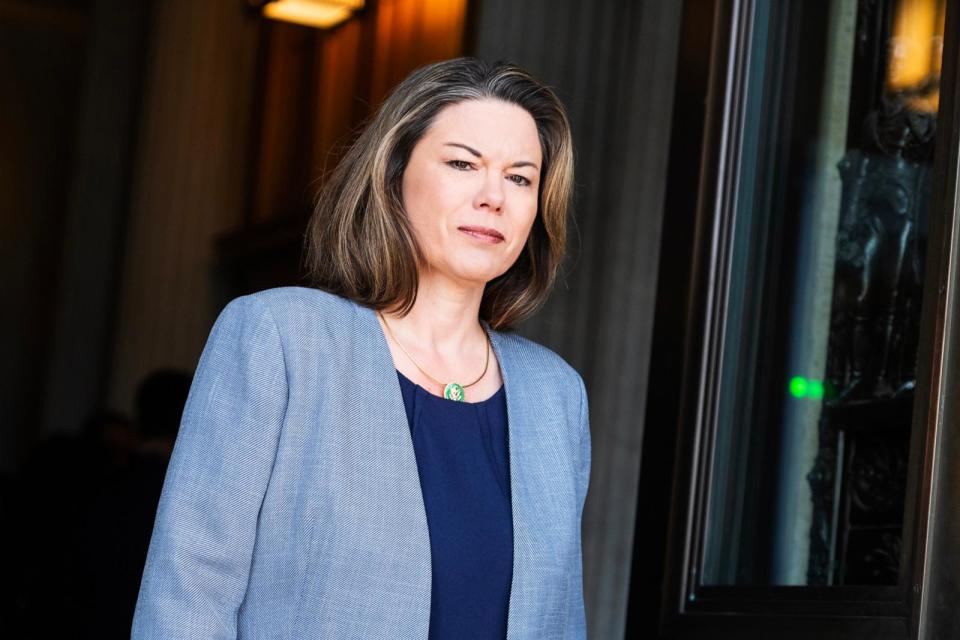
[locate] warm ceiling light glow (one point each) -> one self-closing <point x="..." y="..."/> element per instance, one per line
<point x="322" y="14"/>
<point x="913" y="43"/>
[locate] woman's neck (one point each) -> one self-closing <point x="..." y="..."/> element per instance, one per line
<point x="444" y="337"/>
<point x="443" y="319"/>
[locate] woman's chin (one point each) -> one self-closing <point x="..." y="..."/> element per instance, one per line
<point x="474" y="275"/>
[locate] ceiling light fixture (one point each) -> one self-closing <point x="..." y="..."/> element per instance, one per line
<point x="321" y="14"/>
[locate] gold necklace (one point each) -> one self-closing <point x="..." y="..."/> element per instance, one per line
<point x="450" y="390"/>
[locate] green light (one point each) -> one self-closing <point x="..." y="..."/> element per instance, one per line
<point x="801" y="387"/>
<point x="815" y="390"/>
<point x="798" y="386"/>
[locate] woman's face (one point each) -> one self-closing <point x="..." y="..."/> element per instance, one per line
<point x="470" y="189"/>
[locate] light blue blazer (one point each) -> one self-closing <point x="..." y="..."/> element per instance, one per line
<point x="292" y="505"/>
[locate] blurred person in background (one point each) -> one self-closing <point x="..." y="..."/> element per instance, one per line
<point x="117" y="523"/>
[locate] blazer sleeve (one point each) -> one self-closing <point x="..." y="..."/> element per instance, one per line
<point x="198" y="563"/>
<point x="577" y="625"/>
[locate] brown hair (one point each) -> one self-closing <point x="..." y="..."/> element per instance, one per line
<point x="359" y="243"/>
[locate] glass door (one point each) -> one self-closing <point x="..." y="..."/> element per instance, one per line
<point x="813" y="338"/>
<point x="823" y="286"/>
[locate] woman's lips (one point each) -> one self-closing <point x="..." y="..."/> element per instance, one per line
<point x="484" y="234"/>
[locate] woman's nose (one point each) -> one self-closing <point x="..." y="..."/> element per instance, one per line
<point x="491" y="193"/>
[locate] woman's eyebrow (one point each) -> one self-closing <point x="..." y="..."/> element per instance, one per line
<point x="463" y="146"/>
<point x="521" y="163"/>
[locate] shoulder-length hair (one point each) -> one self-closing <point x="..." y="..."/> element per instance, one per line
<point x="359" y="242"/>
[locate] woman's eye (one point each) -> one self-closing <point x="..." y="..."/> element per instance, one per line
<point x="462" y="165"/>
<point x="520" y="180"/>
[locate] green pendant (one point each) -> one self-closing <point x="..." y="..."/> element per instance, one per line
<point x="454" y="391"/>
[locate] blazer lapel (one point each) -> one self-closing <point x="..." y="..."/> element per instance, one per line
<point x="384" y="400"/>
<point x="525" y="476"/>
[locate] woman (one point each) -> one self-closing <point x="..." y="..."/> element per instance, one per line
<point x="377" y="457"/>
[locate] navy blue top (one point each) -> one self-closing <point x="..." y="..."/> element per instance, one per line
<point x="464" y="466"/>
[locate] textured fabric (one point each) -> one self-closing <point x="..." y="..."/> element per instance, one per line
<point x="461" y="450"/>
<point x="292" y="505"/>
